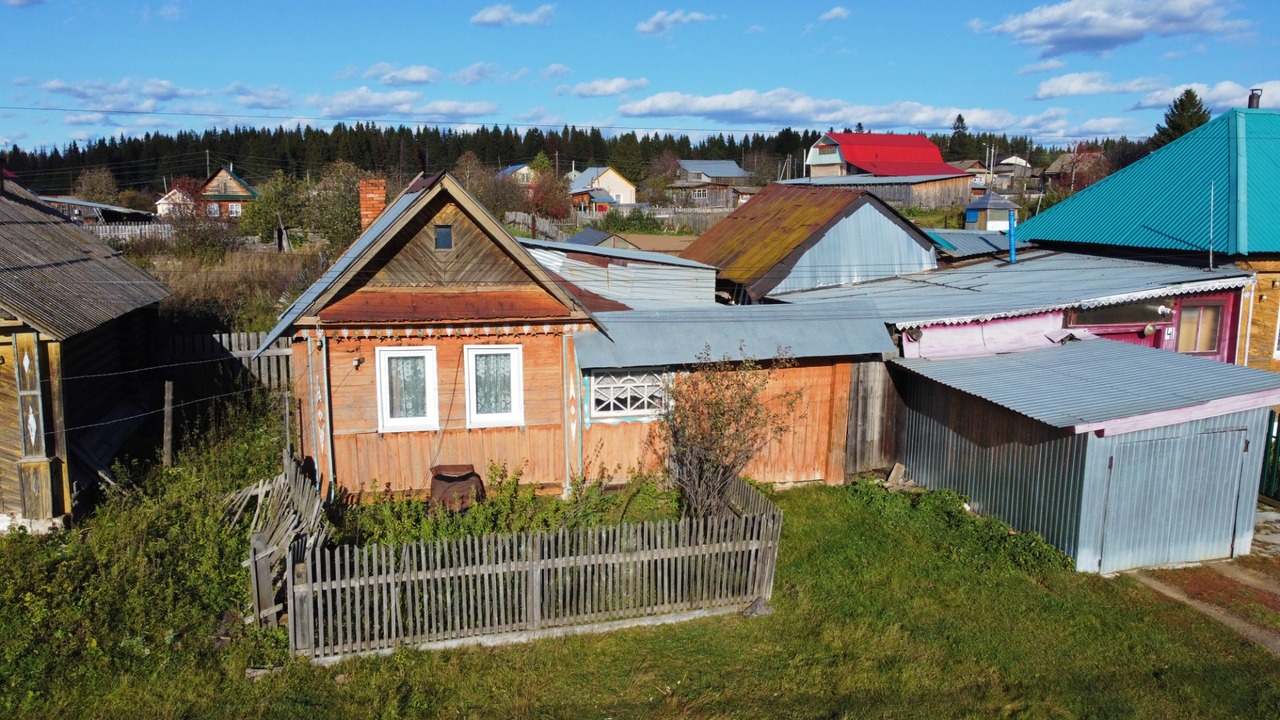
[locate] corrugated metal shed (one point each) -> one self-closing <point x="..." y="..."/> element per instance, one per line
<point x="677" y="336"/>
<point x="759" y="243"/>
<point x="1163" y="200"/>
<point x="58" y="278"/>
<point x="636" y="278"/>
<point x="587" y="236"/>
<point x="1041" y="281"/>
<point x="971" y="243"/>
<point x="1082" y="385"/>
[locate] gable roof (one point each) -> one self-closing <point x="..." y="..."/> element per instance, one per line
<point x="1041" y="281"/>
<point x="885" y="154"/>
<point x="510" y="170"/>
<point x="992" y="201"/>
<point x="758" y="243"/>
<point x="1104" y="385"/>
<point x="204" y="189"/>
<point x="394" y="218"/>
<point x="715" y="168"/>
<point x="589" y="236"/>
<point x="586" y="179"/>
<point x="1163" y="200"/>
<point x="59" y="279"/>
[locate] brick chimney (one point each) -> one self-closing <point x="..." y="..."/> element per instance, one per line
<point x="373" y="198"/>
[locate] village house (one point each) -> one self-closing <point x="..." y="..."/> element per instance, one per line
<point x="600" y="189"/>
<point x="175" y="203"/>
<point x="711" y="184"/>
<point x="73" y="316"/>
<point x="225" y="195"/>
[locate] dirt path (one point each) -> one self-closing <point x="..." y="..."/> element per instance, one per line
<point x="1266" y="638"/>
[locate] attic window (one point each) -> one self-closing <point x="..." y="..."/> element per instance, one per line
<point x="444" y="237"/>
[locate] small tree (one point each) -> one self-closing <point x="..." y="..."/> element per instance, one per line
<point x="1185" y="113"/>
<point x="281" y="201"/>
<point x="718" y="417"/>
<point x="97" y="185"/>
<point x="333" y="206"/>
<point x="549" y="197"/>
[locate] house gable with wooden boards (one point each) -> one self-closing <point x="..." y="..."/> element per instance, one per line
<point x="435" y="339"/>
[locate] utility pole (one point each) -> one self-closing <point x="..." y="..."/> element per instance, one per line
<point x="206" y="163"/>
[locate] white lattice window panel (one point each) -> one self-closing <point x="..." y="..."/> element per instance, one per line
<point x="633" y="393"/>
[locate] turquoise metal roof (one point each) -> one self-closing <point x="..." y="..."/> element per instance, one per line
<point x="1163" y="200"/>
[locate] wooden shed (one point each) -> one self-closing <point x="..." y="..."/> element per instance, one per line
<point x="70" y="331"/>
<point x="1121" y="456"/>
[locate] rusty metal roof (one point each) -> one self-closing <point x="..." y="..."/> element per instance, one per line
<point x="59" y="279"/>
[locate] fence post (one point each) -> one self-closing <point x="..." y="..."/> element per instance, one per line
<point x="300" y="610"/>
<point x="264" y="595"/>
<point x="534" y="594"/>
<point x="168" y="423"/>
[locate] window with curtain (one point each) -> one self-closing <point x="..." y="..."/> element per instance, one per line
<point x="1198" y="328"/>
<point x="407" y="399"/>
<point x="495" y="386"/>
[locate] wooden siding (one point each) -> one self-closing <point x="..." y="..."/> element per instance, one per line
<point x="475" y="260"/>
<point x="10" y="435"/>
<point x="365" y="459"/>
<point x="875" y="419"/>
<point x="812" y="450"/>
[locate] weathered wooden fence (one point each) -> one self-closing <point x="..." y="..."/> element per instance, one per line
<point x="345" y="601"/>
<point x="126" y="232"/>
<point x="195" y="357"/>
<point x="546" y="229"/>
<point x="285" y="508"/>
<point x="1269" y="488"/>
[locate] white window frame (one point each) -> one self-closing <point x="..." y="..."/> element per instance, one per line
<point x="1275" y="348"/>
<point x="213" y="210"/>
<point x="430" y="421"/>
<point x="234" y="210"/>
<point x="515" y="417"/>
<point x="606" y="377"/>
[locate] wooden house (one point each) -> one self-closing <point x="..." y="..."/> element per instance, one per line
<point x="225" y="194"/>
<point x="71" y="313"/>
<point x="793" y="238"/>
<point x="905" y="191"/>
<point x="1202" y="201"/>
<point x="711" y="184"/>
<point x="438" y="339"/>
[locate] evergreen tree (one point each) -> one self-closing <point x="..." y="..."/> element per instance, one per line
<point x="960" y="146"/>
<point x="625" y="157"/>
<point x="1185" y="113"/>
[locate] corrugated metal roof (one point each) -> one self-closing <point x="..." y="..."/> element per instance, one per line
<point x="714" y="168"/>
<point x="583" y="180"/>
<point x="1089" y="382"/>
<point x="58" y="278"/>
<point x="971" y="243"/>
<point x="77" y="202"/>
<point x="992" y="201"/>
<point x="1162" y="201"/>
<point x="1041" y="281"/>
<point x="858" y="180"/>
<point x="677" y="336"/>
<point x="620" y="253"/>
<point x="885" y="154"/>
<point x="587" y="236"/>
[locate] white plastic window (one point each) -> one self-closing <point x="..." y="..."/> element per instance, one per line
<point x="407" y="389"/>
<point x="495" y="386"/>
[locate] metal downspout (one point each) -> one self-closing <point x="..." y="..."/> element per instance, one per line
<point x="328" y="409"/>
<point x="311" y="399"/>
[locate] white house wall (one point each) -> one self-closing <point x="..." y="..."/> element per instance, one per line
<point x="864" y="246"/>
<point x="637" y="285"/>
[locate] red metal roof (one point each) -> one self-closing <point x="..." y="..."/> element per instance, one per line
<point x="891" y="155"/>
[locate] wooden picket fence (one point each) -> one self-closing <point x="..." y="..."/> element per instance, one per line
<point x="126" y="232"/>
<point x="197" y="357"/>
<point x="345" y="601"/>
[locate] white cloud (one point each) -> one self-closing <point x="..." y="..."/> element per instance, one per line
<point x="474" y="73"/>
<point x="23" y="80"/>
<point x="103" y="96"/>
<point x="84" y="118"/>
<point x="540" y="116"/>
<point x="555" y="70"/>
<point x="500" y="15"/>
<point x="783" y="106"/>
<point x="1090" y="83"/>
<point x="23" y="3"/>
<point x="450" y="110"/>
<point x="754" y="30"/>
<point x="272" y="97"/>
<point x="1042" y="66"/>
<point x="662" y="21"/>
<point x="1107" y="126"/>
<point x="166" y="90"/>
<point x="614" y="86"/>
<point x="388" y="74"/>
<point x="1095" y="26"/>
<point x="170" y="10"/>
<point x="835" y="13"/>
<point x="363" y="102"/>
<point x="1219" y="97"/>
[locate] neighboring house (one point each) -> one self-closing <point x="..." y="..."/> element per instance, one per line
<point x="995" y="306"/>
<point x="92" y="213"/>
<point x="1013" y="166"/>
<point x="225" y="195"/>
<point x="910" y="191"/>
<point x="878" y="154"/>
<point x="523" y="175"/>
<point x="1074" y="170"/>
<point x="1207" y="192"/>
<point x="711" y="184"/>
<point x="72" y="310"/>
<point x="437" y="338"/>
<point x="175" y="203"/>
<point x="593" y="236"/>
<point x="618" y="190"/>
<point x="991" y="211"/>
<point x="793" y="237"/>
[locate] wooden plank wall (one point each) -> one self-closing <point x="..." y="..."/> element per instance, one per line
<point x="10" y="435"/>
<point x="876" y="415"/>
<point x="401" y="461"/>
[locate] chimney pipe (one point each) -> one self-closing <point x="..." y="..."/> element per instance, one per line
<point x="1255" y="98"/>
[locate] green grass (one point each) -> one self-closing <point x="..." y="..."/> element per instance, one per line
<point x="885" y="605"/>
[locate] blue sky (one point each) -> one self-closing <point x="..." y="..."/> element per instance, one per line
<point x="1059" y="71"/>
